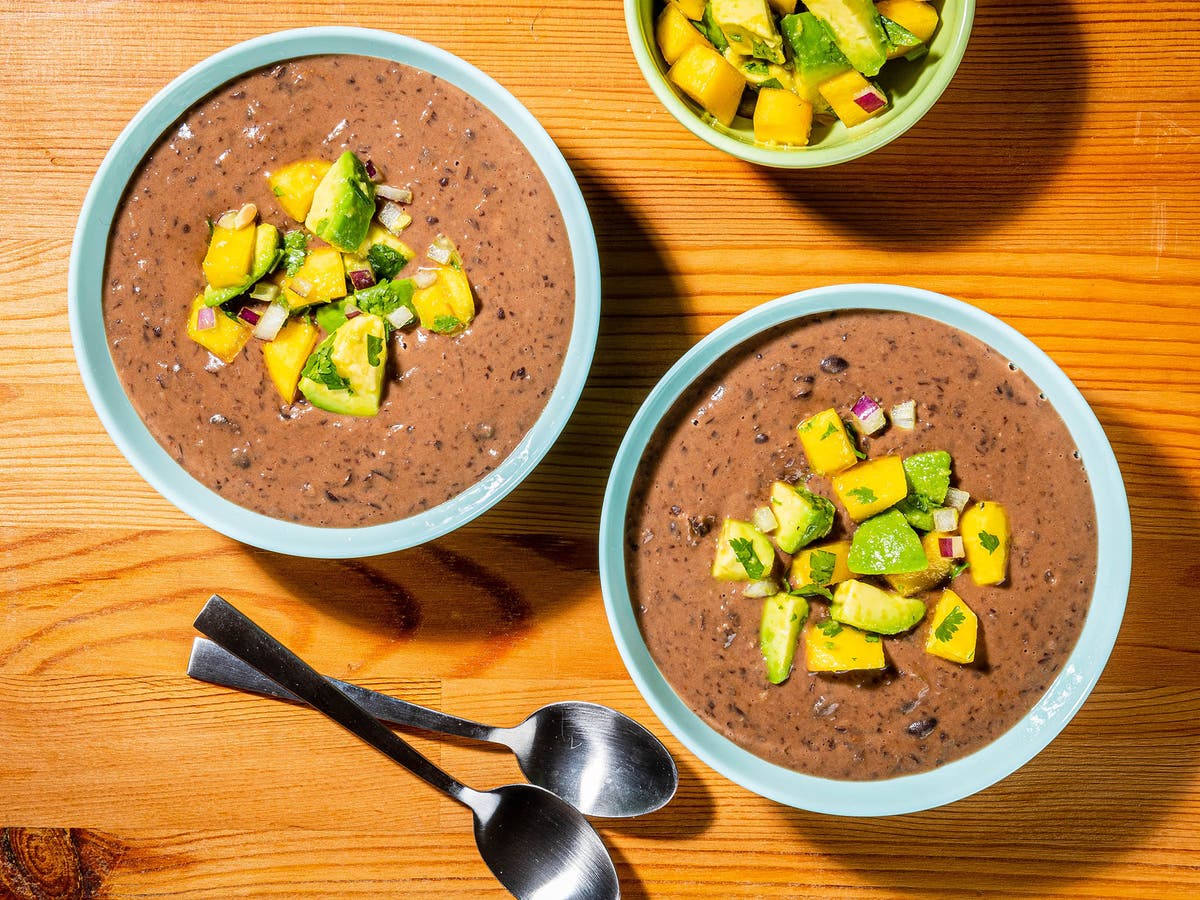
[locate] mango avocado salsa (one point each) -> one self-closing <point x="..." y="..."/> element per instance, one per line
<point x="339" y="274"/>
<point x="910" y="533"/>
<point x="783" y="65"/>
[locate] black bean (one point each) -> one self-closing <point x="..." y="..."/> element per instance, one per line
<point x="922" y="728"/>
<point x="701" y="525"/>
<point x="761" y="438"/>
<point x="834" y="365"/>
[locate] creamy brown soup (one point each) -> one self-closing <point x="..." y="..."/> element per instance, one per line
<point x="733" y="433"/>
<point x="455" y="406"/>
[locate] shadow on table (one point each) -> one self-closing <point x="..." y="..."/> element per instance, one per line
<point x="1122" y="765"/>
<point x="984" y="152"/>
<point x="533" y="553"/>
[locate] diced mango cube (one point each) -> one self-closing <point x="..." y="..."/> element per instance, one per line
<point x="918" y="17"/>
<point x="953" y="630"/>
<point x="743" y="553"/>
<point x="225" y="339"/>
<point x="321" y="279"/>
<point x="693" y="9"/>
<point x="986" y="539"/>
<point x="830" y="646"/>
<point x="295" y="183"/>
<point x="230" y="255"/>
<point x="826" y="443"/>
<point x="704" y="75"/>
<point x="781" y="117"/>
<point x="447" y="305"/>
<point x="286" y="355"/>
<point x="675" y="33"/>
<point x="909" y="583"/>
<point x="823" y="564"/>
<point x="853" y="98"/>
<point x="871" y="487"/>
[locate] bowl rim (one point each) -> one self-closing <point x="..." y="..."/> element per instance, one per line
<point x="103" y="385"/>
<point x="641" y="42"/>
<point x="1061" y="700"/>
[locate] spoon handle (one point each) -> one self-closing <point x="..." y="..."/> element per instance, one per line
<point x="212" y="663"/>
<point x="246" y="640"/>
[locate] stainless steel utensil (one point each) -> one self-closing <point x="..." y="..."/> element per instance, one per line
<point x="599" y="760"/>
<point x="537" y="845"/>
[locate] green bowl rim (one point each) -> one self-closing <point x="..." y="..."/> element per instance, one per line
<point x="813" y="157"/>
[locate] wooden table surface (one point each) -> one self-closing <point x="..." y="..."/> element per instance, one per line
<point x="1054" y="185"/>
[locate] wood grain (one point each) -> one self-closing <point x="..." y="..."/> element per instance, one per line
<point x="1054" y="185"/>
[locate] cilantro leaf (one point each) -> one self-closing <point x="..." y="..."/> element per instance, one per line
<point x="820" y="566"/>
<point x="830" y="628"/>
<point x="743" y="549"/>
<point x="320" y="368"/>
<point x="374" y="348"/>
<point x="864" y="495"/>
<point x="990" y="541"/>
<point x="755" y="67"/>
<point x="385" y="297"/>
<point x="811" y="590"/>
<point x="871" y="638"/>
<point x="386" y="262"/>
<point x="278" y="191"/>
<point x="771" y="83"/>
<point x="446" y="324"/>
<point x="954" y="618"/>
<point x="830" y="430"/>
<point x="295" y="249"/>
<point x="958" y="568"/>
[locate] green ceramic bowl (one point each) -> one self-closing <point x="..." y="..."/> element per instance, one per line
<point x="913" y="88"/>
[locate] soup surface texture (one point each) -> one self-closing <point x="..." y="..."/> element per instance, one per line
<point x="733" y="433"/>
<point x="455" y="407"/>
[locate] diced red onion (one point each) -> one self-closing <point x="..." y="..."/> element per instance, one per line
<point x="272" y="320"/>
<point x="301" y="287"/>
<point x="904" y="415"/>
<point x="372" y="172"/>
<point x="399" y="317"/>
<point x="764" y="520"/>
<point x="362" y="279"/>
<point x="951" y="547"/>
<point x="388" y="192"/>
<point x="206" y="318"/>
<point x="945" y="519"/>
<point x="757" y="590"/>
<point x="869" y="414"/>
<point x="425" y="277"/>
<point x="248" y="315"/>
<point x="870" y="99"/>
<point x="264" y="290"/>
<point x="393" y="217"/>
<point x="351" y="309"/>
<point x="957" y="499"/>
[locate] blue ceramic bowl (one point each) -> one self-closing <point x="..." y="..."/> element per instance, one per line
<point x="122" y="421"/>
<point x="1049" y="715"/>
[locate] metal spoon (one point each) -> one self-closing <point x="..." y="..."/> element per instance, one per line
<point x="538" y="846"/>
<point x="600" y="761"/>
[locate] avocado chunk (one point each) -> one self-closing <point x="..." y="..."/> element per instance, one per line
<point x="929" y="474"/>
<point x="343" y="205"/>
<point x="749" y="28"/>
<point x="874" y="609"/>
<point x="344" y="375"/>
<point x="815" y="56"/>
<point x="885" y="545"/>
<point x="266" y="255"/>
<point x="803" y="516"/>
<point x="743" y="553"/>
<point x="901" y="41"/>
<point x="858" y="30"/>
<point x="782" y="617"/>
